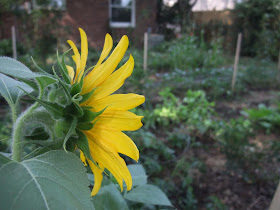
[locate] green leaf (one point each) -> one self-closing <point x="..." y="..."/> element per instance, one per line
<point x="56" y="110"/>
<point x="148" y="194"/>
<point x="15" y="69"/>
<point x="31" y="83"/>
<point x="54" y="180"/>
<point x="109" y="198"/>
<point x="138" y="174"/>
<point x="10" y="89"/>
<point x="4" y="160"/>
<point x="38" y="133"/>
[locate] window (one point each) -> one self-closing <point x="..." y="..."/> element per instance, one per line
<point x="49" y="4"/>
<point x="122" y="13"/>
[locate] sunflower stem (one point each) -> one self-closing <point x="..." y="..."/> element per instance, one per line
<point x="18" y="132"/>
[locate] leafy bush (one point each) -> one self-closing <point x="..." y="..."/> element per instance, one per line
<point x="187" y="53"/>
<point x="264" y="117"/>
<point x="259" y="22"/>
<point x="260" y="76"/>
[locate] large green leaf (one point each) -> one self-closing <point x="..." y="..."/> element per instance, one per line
<point x="53" y="180"/>
<point x="9" y="89"/>
<point x="4" y="160"/>
<point x="138" y="174"/>
<point x="148" y="194"/>
<point x="109" y="198"/>
<point x="15" y="69"/>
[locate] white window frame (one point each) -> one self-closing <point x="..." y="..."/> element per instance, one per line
<point x="130" y="24"/>
<point x="49" y="7"/>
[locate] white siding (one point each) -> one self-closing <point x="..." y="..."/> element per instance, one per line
<point x="218" y="5"/>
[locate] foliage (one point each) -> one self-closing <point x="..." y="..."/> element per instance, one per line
<point x="141" y="195"/>
<point x="264" y="117"/>
<point x="260" y="76"/>
<point x="7" y="50"/>
<point x="234" y="138"/>
<point x="198" y="112"/>
<point x="187" y="53"/>
<point x="53" y="177"/>
<point x="215" y="203"/>
<point x="258" y="20"/>
<point x="47" y="174"/>
<point x="180" y="13"/>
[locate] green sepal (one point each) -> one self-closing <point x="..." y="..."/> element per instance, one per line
<point x="77" y="86"/>
<point x="89" y="116"/>
<point x="87" y="96"/>
<point x="85" y="126"/>
<point x="71" y="132"/>
<point x="82" y="144"/>
<point x="37" y="66"/>
<point x="43" y="82"/>
<point x="63" y="68"/>
<point x="56" y="110"/>
<point x="64" y="85"/>
<point x="87" y="107"/>
<point x="75" y="109"/>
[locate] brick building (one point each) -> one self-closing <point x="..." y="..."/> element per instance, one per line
<point x="96" y="17"/>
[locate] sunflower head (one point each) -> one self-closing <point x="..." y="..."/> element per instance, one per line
<point x="99" y="116"/>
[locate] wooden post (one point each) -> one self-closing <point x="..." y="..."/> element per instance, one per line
<point x="14" y="42"/>
<point x="275" y="204"/>
<point x="145" y="61"/>
<point x="278" y="67"/>
<point x="236" y="60"/>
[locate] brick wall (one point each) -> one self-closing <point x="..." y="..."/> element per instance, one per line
<point x="93" y="17"/>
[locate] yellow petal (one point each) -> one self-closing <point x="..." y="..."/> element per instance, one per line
<point x="114" y="81"/>
<point x="84" y="54"/>
<point x="76" y="57"/>
<point x="83" y="158"/>
<point x="119" y="120"/>
<point x="71" y="73"/>
<point x="110" y="159"/>
<point x="96" y="77"/>
<point x="118" y="140"/>
<point x="97" y="177"/>
<point x="108" y="44"/>
<point x="118" y="102"/>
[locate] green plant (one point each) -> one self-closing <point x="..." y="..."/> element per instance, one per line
<point x="187" y="53"/>
<point x="197" y="112"/>
<point x="258" y="20"/>
<point x="215" y="203"/>
<point x="264" y="117"/>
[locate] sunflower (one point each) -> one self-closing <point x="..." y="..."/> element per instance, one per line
<point x="106" y="139"/>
